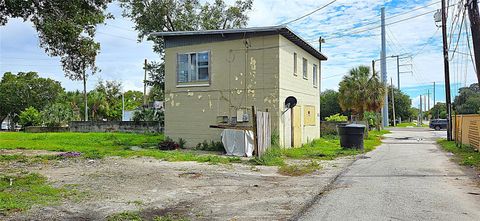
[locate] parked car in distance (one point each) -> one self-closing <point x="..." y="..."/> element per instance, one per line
<point x="438" y="124"/>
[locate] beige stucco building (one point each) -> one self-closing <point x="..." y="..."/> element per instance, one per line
<point x="214" y="77"/>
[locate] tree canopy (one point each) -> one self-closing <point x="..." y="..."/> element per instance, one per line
<point x="402" y="104"/>
<point x="26" y="89"/>
<point x="330" y="104"/>
<point x="183" y="15"/>
<point x="65" y="29"/>
<point x="361" y="91"/>
<point x="468" y="100"/>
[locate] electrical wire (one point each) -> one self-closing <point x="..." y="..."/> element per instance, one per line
<point x="310" y="13"/>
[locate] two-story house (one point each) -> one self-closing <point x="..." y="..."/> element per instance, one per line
<point x="215" y="76"/>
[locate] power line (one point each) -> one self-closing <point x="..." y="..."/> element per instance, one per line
<point x="426" y="43"/>
<point x="116" y="36"/>
<point x="310" y="13"/>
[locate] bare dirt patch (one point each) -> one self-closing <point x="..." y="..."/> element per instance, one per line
<point x="196" y="191"/>
<point x="29" y="152"/>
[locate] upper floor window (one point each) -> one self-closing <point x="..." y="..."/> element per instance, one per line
<point x="305" y="66"/>
<point x="193" y="67"/>
<point x="315" y="73"/>
<point x="295" y="64"/>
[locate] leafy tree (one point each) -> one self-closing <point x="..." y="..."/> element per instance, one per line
<point x="57" y="115"/>
<point x="413" y="113"/>
<point x="30" y="117"/>
<point x="179" y="15"/>
<point x="468" y="100"/>
<point x="98" y="105"/>
<point x="156" y="80"/>
<point x="65" y="29"/>
<point x="133" y="100"/>
<point x="23" y="90"/>
<point x="439" y="110"/>
<point x="361" y="91"/>
<point x="330" y="104"/>
<point x="402" y="104"/>
<point x="112" y="105"/>
<point x="73" y="99"/>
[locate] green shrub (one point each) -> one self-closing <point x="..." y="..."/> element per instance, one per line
<point x="212" y="146"/>
<point x="57" y="115"/>
<point x="336" y="118"/>
<point x="30" y="117"/>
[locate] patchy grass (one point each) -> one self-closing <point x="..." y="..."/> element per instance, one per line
<point x="99" y="145"/>
<point x="409" y="124"/>
<point x="325" y="148"/>
<point x="464" y="155"/>
<point x="136" y="216"/>
<point x="299" y="169"/>
<point x="21" y="191"/>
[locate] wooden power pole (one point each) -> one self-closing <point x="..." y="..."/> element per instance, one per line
<point x="393" y="103"/>
<point x="145" y="86"/>
<point x="473" y="14"/>
<point x="447" y="71"/>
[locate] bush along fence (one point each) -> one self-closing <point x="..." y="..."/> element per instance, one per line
<point x="466" y="130"/>
<point x="329" y="127"/>
<point x="117" y="126"/>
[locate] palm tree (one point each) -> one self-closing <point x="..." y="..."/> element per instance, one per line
<point x="361" y="91"/>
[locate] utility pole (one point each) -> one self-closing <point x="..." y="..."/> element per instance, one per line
<point x="425" y="103"/>
<point x="420" y="117"/>
<point x="434" y="99"/>
<point x="473" y="14"/>
<point x="428" y="99"/>
<point x="384" y="71"/>
<point x="373" y="66"/>
<point x="145" y="86"/>
<point x="320" y="41"/>
<point x="447" y="71"/>
<point x="398" y="72"/>
<point x="393" y="104"/>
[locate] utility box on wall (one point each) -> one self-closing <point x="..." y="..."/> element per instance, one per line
<point x="309" y="115"/>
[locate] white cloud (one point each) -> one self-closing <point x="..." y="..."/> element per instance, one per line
<point x="121" y="57"/>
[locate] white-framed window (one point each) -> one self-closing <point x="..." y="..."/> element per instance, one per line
<point x="315" y="75"/>
<point x="295" y="64"/>
<point x="193" y="67"/>
<point x="305" y="68"/>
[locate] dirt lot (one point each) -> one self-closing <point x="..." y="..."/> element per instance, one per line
<point x="195" y="191"/>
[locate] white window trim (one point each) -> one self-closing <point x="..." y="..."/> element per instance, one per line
<point x="315" y="75"/>
<point x="197" y="83"/>
<point x="305" y="70"/>
<point x="295" y="64"/>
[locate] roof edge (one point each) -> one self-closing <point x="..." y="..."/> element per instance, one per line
<point x="281" y="29"/>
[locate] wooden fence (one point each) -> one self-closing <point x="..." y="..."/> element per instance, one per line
<point x="466" y="129"/>
<point x="263" y="132"/>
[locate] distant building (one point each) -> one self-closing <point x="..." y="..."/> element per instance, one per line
<point x="214" y="77"/>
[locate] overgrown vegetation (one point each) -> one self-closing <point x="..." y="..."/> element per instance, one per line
<point x="212" y="146"/>
<point x="137" y="216"/>
<point x="99" y="145"/>
<point x="325" y="148"/>
<point x="299" y="169"/>
<point x="336" y="118"/>
<point x="465" y="155"/>
<point x="18" y="192"/>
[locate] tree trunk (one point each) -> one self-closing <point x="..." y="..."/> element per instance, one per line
<point x="85" y="95"/>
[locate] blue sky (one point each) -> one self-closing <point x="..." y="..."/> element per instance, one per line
<point x="121" y="56"/>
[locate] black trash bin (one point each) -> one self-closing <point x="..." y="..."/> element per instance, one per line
<point x="351" y="135"/>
